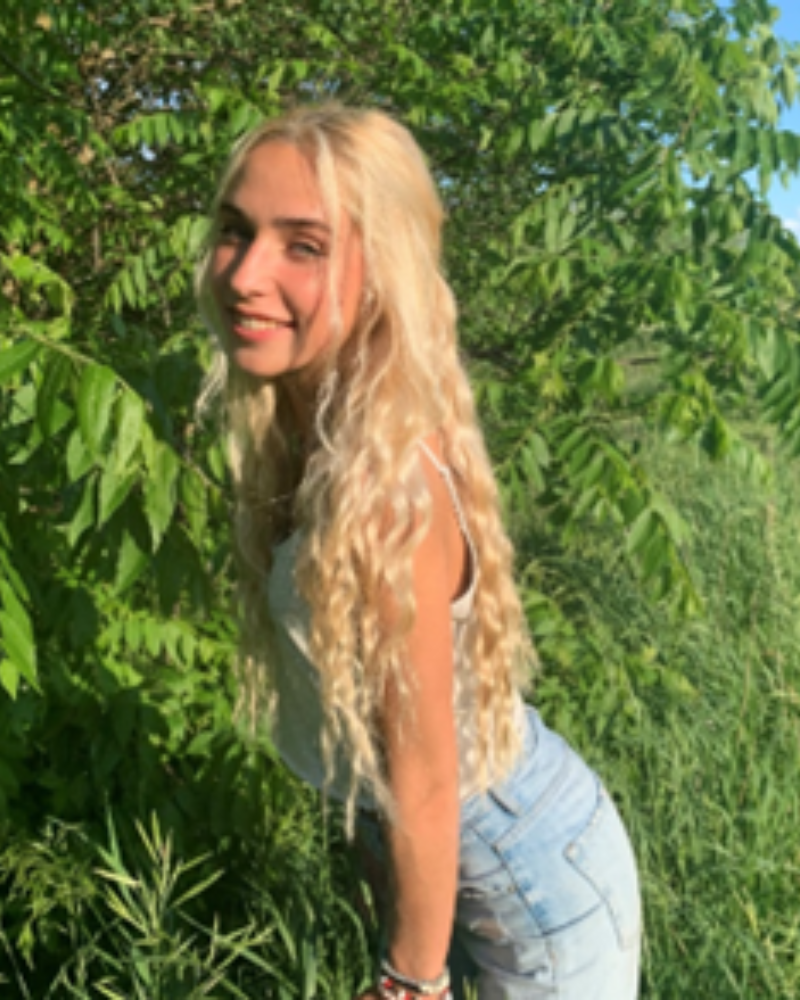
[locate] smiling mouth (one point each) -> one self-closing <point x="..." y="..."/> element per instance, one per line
<point x="256" y="328"/>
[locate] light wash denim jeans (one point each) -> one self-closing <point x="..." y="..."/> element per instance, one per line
<point x="548" y="899"/>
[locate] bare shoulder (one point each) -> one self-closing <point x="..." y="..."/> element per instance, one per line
<point x="444" y="543"/>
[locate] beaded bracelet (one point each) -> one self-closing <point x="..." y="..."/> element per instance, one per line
<point x="410" y="988"/>
<point x="389" y="989"/>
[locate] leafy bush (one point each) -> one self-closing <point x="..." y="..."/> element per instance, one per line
<point x="616" y="269"/>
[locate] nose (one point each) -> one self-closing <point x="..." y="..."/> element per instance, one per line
<point x="251" y="270"/>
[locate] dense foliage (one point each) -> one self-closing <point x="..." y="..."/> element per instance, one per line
<point x="604" y="165"/>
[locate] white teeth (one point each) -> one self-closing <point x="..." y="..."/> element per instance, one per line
<point x="251" y="323"/>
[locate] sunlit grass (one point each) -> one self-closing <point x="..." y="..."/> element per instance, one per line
<point x="701" y="744"/>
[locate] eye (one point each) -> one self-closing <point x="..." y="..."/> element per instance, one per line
<point x="306" y="249"/>
<point x="230" y="230"/>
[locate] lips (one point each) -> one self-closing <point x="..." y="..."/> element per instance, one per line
<point x="256" y="328"/>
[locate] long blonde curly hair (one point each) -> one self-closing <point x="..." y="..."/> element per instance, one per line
<point x="395" y="380"/>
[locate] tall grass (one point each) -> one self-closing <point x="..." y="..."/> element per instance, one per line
<point x="124" y="917"/>
<point x="696" y="728"/>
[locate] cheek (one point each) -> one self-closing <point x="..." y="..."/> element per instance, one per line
<point x="218" y="268"/>
<point x="307" y="292"/>
<point x="352" y="284"/>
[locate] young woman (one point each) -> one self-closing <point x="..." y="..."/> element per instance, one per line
<point x="381" y="626"/>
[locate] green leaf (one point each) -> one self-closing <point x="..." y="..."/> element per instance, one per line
<point x="114" y="488"/>
<point x="655" y="557"/>
<point x="132" y="562"/>
<point x="592" y="473"/>
<point x="641" y="532"/>
<point x="129" y="415"/>
<point x="49" y="408"/>
<point x="9" y="676"/>
<point x="16" y="359"/>
<point x="160" y="491"/>
<point x="18" y="647"/>
<point x="85" y="515"/>
<point x="96" y="394"/>
<point x="125" y="283"/>
<point x="531" y="469"/>
<point x="788" y="84"/>
<point x="79" y="458"/>
<point x="195" y="504"/>
<point x="540" y="449"/>
<point x="16" y="635"/>
<point x="140" y="280"/>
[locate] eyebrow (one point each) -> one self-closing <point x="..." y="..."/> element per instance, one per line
<point x="283" y="221"/>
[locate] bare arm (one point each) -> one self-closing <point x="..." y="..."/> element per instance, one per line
<point x="422" y="758"/>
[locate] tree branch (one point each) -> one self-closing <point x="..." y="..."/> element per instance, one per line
<point x="31" y="81"/>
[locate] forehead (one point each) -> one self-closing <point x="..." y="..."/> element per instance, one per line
<point x="276" y="174"/>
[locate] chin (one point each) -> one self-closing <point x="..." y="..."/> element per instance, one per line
<point x="249" y="362"/>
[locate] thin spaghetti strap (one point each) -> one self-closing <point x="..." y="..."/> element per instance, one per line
<point x="444" y="469"/>
<point x="446" y="473"/>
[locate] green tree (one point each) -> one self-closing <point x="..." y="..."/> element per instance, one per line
<point x="605" y="168"/>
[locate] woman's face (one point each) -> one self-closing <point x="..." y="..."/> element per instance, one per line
<point x="270" y="266"/>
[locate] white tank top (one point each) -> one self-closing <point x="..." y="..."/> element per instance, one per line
<point x="298" y="716"/>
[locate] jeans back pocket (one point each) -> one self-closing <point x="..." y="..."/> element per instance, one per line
<point x="602" y="854"/>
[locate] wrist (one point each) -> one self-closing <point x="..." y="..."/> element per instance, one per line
<point x="413" y="959"/>
<point x="386" y="990"/>
<point x="394" y="984"/>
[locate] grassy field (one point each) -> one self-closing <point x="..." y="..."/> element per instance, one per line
<point x="695" y="726"/>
